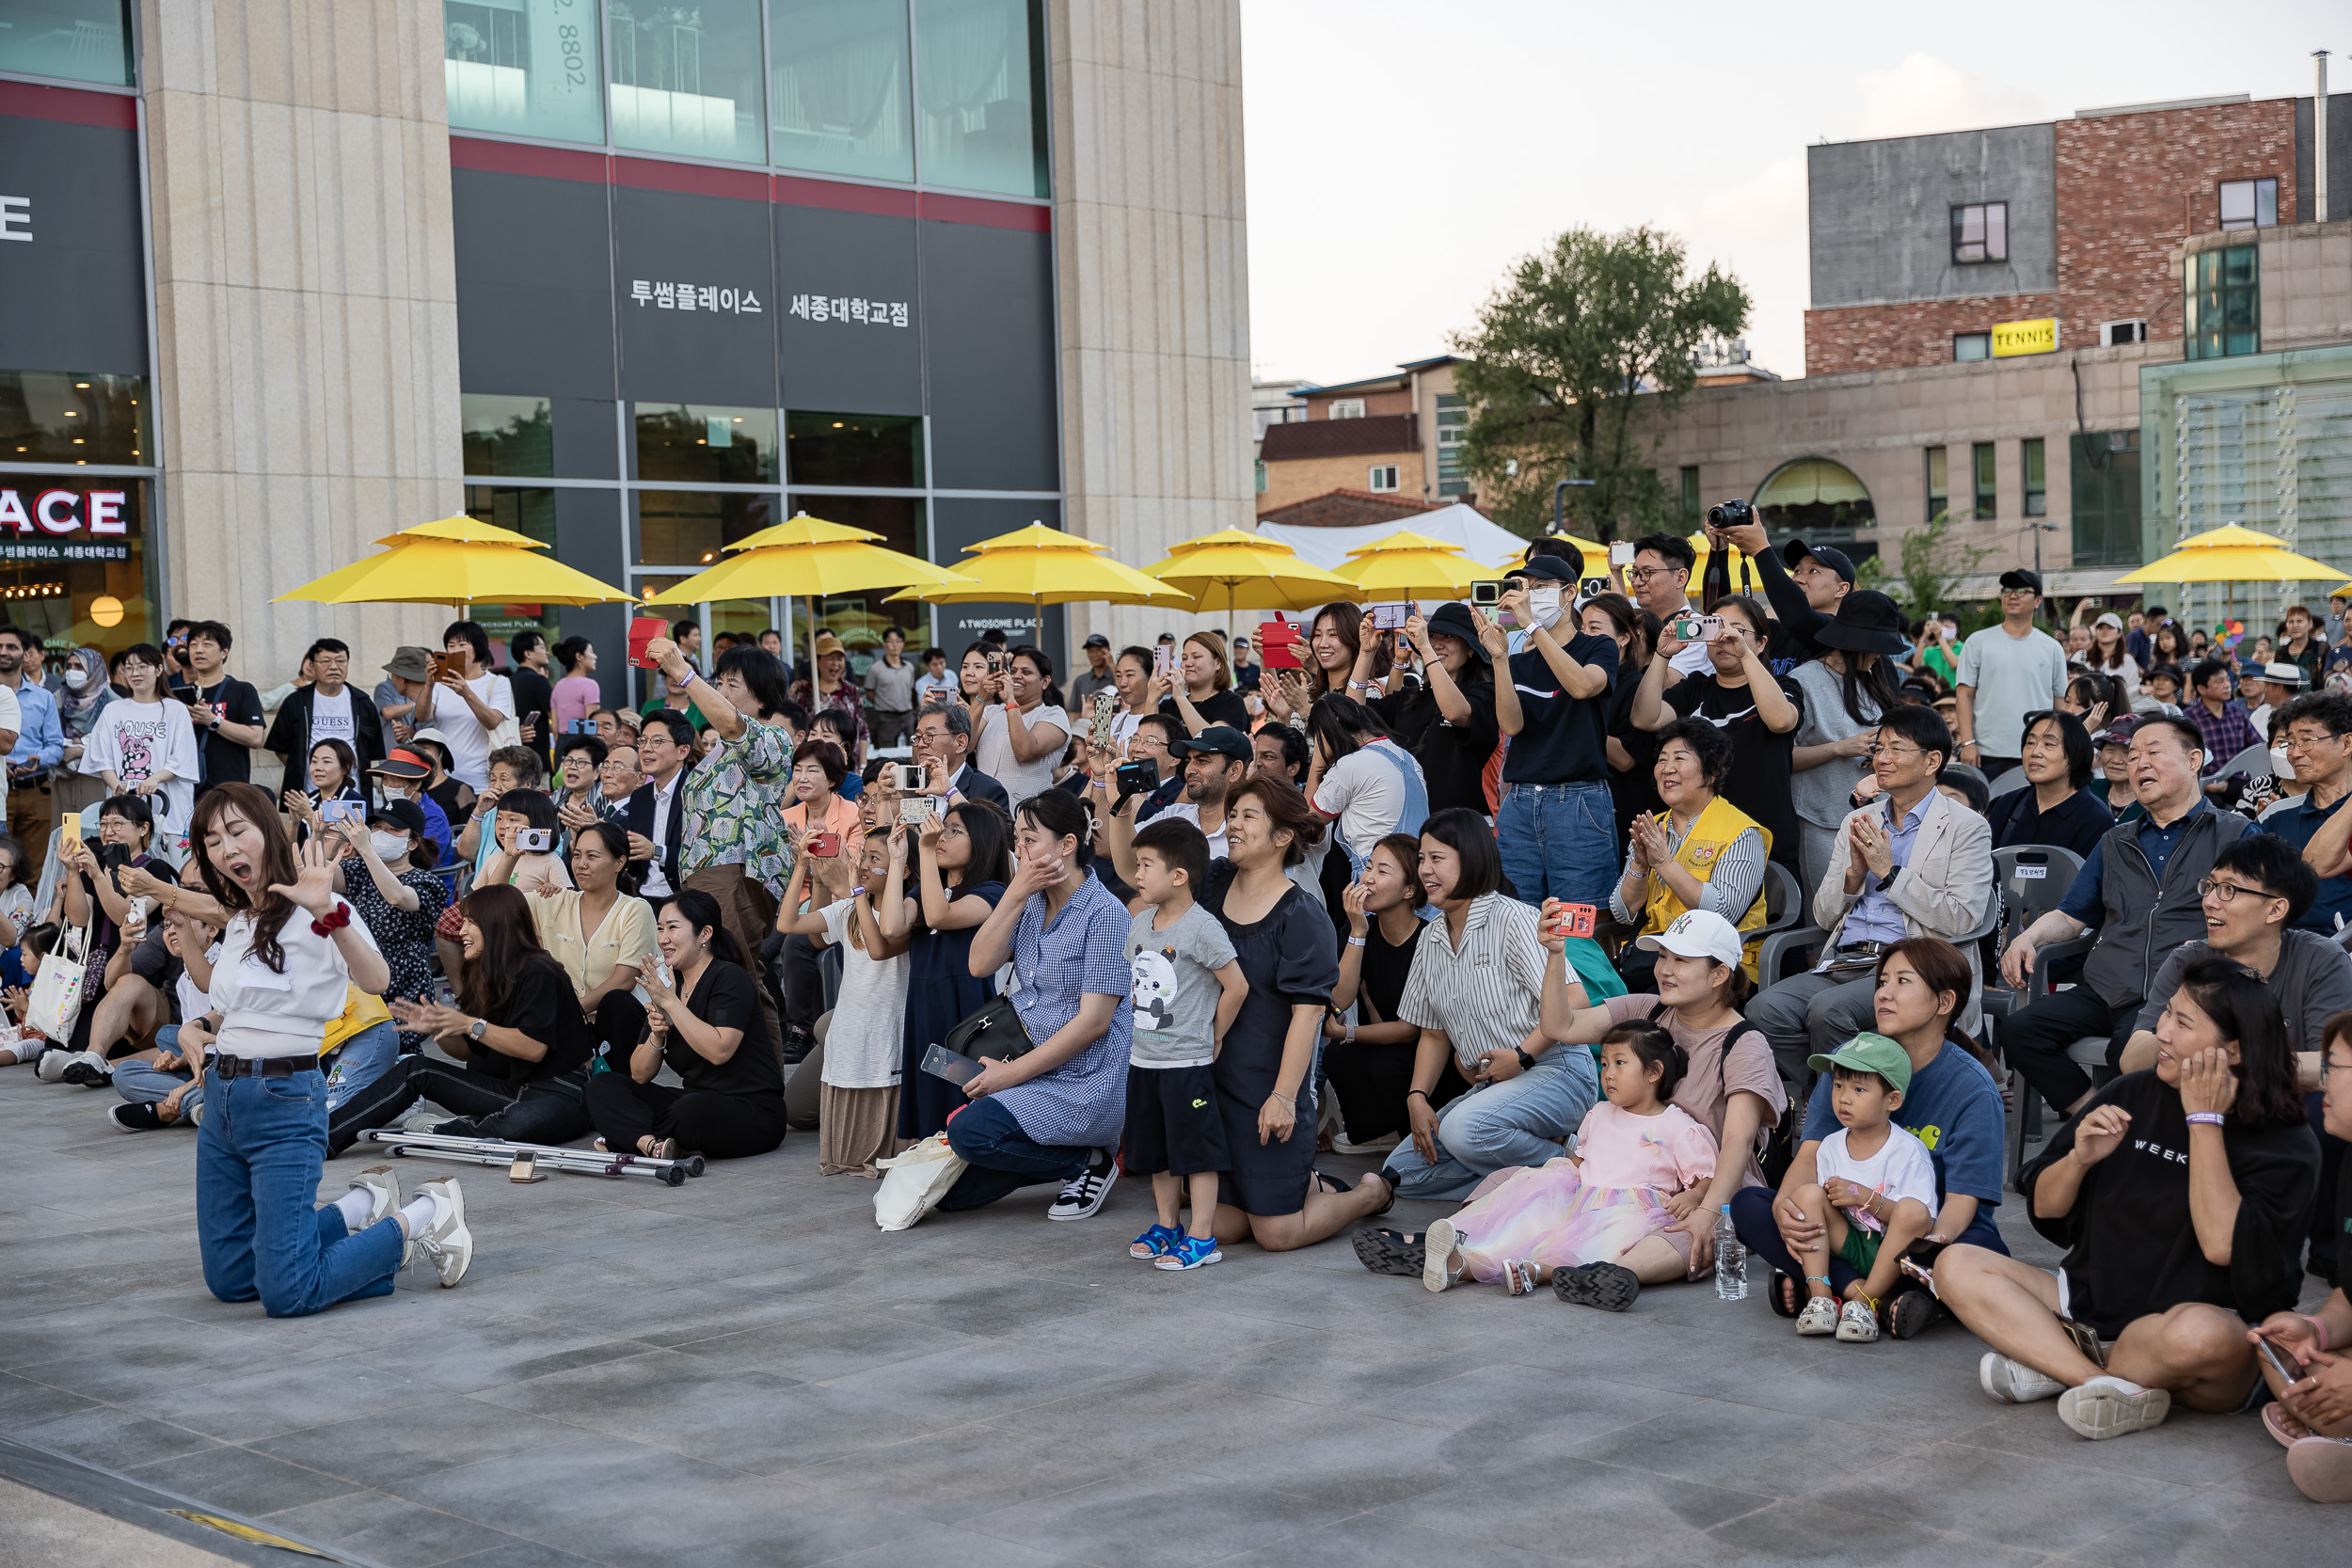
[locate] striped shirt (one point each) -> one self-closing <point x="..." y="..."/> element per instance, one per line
<point x="1487" y="994"/>
<point x="1738" y="873"/>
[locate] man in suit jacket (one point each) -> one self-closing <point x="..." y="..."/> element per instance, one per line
<point x="943" y="739"/>
<point x="350" y="714"/>
<point x="655" y="816"/>
<point x="1913" y="863"/>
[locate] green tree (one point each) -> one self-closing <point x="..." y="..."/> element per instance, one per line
<point x="1568" y="353"/>
<point x="1933" y="560"/>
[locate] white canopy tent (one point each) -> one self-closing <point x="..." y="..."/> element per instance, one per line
<point x="1457" y="524"/>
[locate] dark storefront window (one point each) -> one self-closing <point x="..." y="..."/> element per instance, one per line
<point x="2223" y="302"/>
<point x="837" y="87"/>
<point x="1939" y="483"/>
<point x="524" y="511"/>
<point x="2030" y="454"/>
<point x="59" y="417"/>
<point x="858" y="619"/>
<point x="2103" y="469"/>
<point x="73" y="560"/>
<point x="979" y="92"/>
<point x="705" y="443"/>
<point x="879" y="451"/>
<point x="686" y="78"/>
<point x="507" y="436"/>
<point x="687" y="528"/>
<point x="82" y="40"/>
<point x="529" y="67"/>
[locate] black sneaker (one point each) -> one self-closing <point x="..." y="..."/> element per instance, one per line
<point x="1393" y="1252"/>
<point x="1084" y="1192"/>
<point x="1610" y="1286"/>
<point x="798" y="1043"/>
<point x="86" y="1068"/>
<point x="133" y="1117"/>
<point x="1910" y="1313"/>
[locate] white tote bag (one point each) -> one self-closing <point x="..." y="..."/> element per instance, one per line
<point x="57" y="1004"/>
<point x="913" y="1182"/>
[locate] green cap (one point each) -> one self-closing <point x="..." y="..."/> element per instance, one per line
<point x="1869" y="1052"/>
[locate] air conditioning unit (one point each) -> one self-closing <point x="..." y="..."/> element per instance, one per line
<point x="2116" y="334"/>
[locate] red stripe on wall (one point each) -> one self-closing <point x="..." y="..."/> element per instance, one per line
<point x="790" y="191"/>
<point x="648" y="174"/>
<point x="115" y="111"/>
<point x="993" y="215"/>
<point x="508" y="157"/>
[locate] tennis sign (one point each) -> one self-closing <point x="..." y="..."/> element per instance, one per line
<point x="2010" y="339"/>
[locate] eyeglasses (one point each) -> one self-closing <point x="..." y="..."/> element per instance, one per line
<point x="2304" y="743"/>
<point x="1874" y="750"/>
<point x="1642" y="574"/>
<point x="2227" y="892"/>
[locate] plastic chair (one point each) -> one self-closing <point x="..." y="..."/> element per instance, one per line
<point x="2032" y="880"/>
<point x="1976" y="773"/>
<point x="2252" y="763"/>
<point x="1785" y="931"/>
<point x="2008" y="783"/>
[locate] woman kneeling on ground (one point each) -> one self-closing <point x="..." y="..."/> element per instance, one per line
<point x="2181" y="1195"/>
<point x="706" y="1023"/>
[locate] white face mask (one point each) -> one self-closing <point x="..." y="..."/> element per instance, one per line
<point x="2279" y="766"/>
<point x="1544" y="603"/>
<point x="388" y="847"/>
<point x="76" y="679"/>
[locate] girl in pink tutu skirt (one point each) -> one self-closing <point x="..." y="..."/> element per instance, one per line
<point x="1573" y="1223"/>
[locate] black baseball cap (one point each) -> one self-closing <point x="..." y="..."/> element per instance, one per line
<point x="1551" y="568"/>
<point x="1220" y="739"/>
<point x="2017" y="576"/>
<point x="1453" y="619"/>
<point x="1793" y="553"/>
<point x="404" y="814"/>
<point x="1097" y="640"/>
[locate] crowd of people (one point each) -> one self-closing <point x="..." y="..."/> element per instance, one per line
<point x="1484" y="894"/>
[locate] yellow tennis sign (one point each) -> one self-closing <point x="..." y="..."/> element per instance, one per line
<point x="2014" y="338"/>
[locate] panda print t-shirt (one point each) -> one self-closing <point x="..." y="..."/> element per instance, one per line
<point x="1176" y="988"/>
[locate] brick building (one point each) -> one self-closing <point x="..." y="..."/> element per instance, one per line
<point x="1394" y="435"/>
<point x="2084" y="336"/>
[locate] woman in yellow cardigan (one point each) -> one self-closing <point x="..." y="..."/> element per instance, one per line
<point x="1702" y="852"/>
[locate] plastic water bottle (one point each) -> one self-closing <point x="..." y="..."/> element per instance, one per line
<point x="1731" y="1259"/>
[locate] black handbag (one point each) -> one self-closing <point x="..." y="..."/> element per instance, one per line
<point x="994" y="1030"/>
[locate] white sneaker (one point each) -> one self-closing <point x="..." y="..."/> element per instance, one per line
<point x="85" y="1067"/>
<point x="1441" y="1255"/>
<point x="1857" y="1324"/>
<point x="446" y="1243"/>
<point x="1819" y="1316"/>
<point x="1084" y="1193"/>
<point x="2112" y="1407"/>
<point x="1374" y="1146"/>
<point x="49" y="1069"/>
<point x="382" y="1185"/>
<point x="2012" y="1381"/>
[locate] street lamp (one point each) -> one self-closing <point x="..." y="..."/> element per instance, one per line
<point x="1560" y="500"/>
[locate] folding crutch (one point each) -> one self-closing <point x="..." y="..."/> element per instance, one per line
<point x="531" y="1162"/>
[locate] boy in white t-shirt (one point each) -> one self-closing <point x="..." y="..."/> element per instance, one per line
<point x="1873" y="1193"/>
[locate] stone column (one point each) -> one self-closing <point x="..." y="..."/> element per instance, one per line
<point x="1152" y="241"/>
<point x="306" y="310"/>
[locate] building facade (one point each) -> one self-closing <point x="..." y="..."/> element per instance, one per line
<point x="1396" y="434"/>
<point x="2081" y="339"/>
<point x="636" y="280"/>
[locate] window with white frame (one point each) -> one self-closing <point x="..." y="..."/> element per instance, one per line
<point x="2250" y="203"/>
<point x="1348" y="408"/>
<point x="1383" y="476"/>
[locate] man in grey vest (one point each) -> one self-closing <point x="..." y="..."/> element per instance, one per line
<point x="2139" y="891"/>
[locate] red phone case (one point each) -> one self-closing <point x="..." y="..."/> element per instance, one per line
<point x="825" y="846"/>
<point x="1576" y="920"/>
<point x="1277" y="646"/>
<point x="642" y="630"/>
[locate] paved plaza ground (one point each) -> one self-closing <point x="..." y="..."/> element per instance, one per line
<point x="744" y="1371"/>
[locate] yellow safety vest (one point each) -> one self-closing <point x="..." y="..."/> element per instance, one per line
<point x="1711" y="834"/>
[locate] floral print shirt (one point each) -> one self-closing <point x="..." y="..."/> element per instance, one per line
<point x="735" y="800"/>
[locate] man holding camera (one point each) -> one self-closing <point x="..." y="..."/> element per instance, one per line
<point x="942" y="741"/>
<point x="1557" y="829"/>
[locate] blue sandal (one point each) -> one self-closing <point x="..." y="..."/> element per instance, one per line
<point x="1190" y="1252"/>
<point x="1155" y="1242"/>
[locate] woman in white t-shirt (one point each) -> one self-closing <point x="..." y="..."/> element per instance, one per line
<point x="1021" y="737"/>
<point x="467" y="709"/>
<point x="144" y="744"/>
<point x="1361" y="777"/>
<point x="290" y="954"/>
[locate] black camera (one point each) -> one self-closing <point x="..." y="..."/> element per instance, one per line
<point x="1732" y="513"/>
<point x="1139" y="777"/>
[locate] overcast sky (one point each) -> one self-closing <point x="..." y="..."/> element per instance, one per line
<point x="1403" y="153"/>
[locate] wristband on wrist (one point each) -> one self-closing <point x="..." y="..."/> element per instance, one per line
<point x="2319" y="1329"/>
<point x="1357" y="942"/>
<point x="1424" y="1093"/>
<point x="2208" y="1118"/>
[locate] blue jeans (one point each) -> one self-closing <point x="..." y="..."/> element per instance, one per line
<point x="1518" y="1121"/>
<point x="257" y="1157"/>
<point x="360" y="1061"/>
<point x="145" y="1084"/>
<point x="1003" y="1157"/>
<point x="1559" y="841"/>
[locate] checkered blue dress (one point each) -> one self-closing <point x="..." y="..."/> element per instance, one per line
<point x="1083" y="1102"/>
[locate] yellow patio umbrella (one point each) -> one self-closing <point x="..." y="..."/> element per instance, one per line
<point x="1231" y="570"/>
<point x="1409" y="566"/>
<point x="2234" y="554"/>
<point x="457" y="561"/>
<point x="1044" y="565"/>
<point x="1744" y="578"/>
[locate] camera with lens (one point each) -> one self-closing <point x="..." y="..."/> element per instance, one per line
<point x="1731" y="514"/>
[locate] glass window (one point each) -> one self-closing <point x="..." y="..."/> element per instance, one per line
<point x="1939" y="483"/>
<point x="528" y="68"/>
<point x="1383" y="476"/>
<point x="1452" y="430"/>
<point x="2037" y="491"/>
<point x="1972" y="345"/>
<point x="686" y="78"/>
<point x="1692" y="510"/>
<point x="837" y="87"/>
<point x="687" y="529"/>
<point x="858" y="619"/>
<point x="978" y="75"/>
<point x="507" y="436"/>
<point x="58" y="416"/>
<point x="2250" y="203"/>
<point x="82" y="41"/>
<point x="704" y="444"/>
<point x="527" y="512"/>
<point x="2223" y="304"/>
<point x="73" y="560"/>
<point x="1986" y="495"/>
<point x="1980" y="232"/>
<point x="883" y="451"/>
<point x="1262" y="476"/>
<point x="1346" y="408"/>
<point x="2102" y="477"/>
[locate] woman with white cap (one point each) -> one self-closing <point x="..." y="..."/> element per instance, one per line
<point x="2110" y="657"/>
